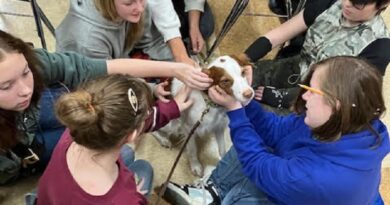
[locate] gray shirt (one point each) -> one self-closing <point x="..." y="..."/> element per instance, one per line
<point x="86" y="31"/>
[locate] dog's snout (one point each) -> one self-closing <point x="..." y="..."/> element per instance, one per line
<point x="247" y="93"/>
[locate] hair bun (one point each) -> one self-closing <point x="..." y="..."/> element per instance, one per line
<point x="76" y="110"/>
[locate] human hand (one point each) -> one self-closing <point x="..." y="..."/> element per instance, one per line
<point x="193" y="77"/>
<point x="187" y="60"/>
<point x="161" y="93"/>
<point x="140" y="184"/>
<point x="182" y="98"/>
<point x="248" y="73"/>
<point x="219" y="96"/>
<point x="197" y="41"/>
<point x="259" y="93"/>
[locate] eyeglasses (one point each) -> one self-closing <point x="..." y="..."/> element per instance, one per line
<point x="314" y="90"/>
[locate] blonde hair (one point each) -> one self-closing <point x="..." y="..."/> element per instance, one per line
<point x="108" y="11"/>
<point x="99" y="114"/>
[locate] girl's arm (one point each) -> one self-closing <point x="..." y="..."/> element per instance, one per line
<point x="192" y="77"/>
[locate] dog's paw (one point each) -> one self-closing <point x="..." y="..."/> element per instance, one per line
<point x="196" y="169"/>
<point x="164" y="141"/>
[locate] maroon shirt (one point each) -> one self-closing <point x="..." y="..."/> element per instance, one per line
<point x="161" y="115"/>
<point x="58" y="187"/>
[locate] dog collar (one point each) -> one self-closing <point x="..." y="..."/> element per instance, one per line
<point x="208" y="101"/>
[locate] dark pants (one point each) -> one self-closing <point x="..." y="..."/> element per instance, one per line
<point x="279" y="73"/>
<point x="282" y="74"/>
<point x="50" y="129"/>
<point x="206" y="22"/>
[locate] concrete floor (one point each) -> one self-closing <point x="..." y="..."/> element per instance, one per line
<point x="247" y="29"/>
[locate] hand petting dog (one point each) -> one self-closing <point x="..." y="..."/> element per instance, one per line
<point x="183" y="99"/>
<point x="219" y="96"/>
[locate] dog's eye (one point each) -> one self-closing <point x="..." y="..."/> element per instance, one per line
<point x="225" y="83"/>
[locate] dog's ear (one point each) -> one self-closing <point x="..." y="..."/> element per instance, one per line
<point x="205" y="70"/>
<point x="221" y="79"/>
<point x="242" y="59"/>
<point x="215" y="73"/>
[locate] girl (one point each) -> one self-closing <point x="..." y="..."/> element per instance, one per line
<point x="333" y="28"/>
<point x="328" y="152"/>
<point x="113" y="28"/>
<point x="101" y="116"/>
<point x="29" y="133"/>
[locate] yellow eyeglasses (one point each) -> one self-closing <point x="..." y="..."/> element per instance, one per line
<point x="311" y="89"/>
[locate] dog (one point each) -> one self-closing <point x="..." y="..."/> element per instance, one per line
<point x="228" y="73"/>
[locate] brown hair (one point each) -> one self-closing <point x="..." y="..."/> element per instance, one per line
<point x="8" y="124"/>
<point x="353" y="88"/>
<point x="108" y="11"/>
<point x="99" y="114"/>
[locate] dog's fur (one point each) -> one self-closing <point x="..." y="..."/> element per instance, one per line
<point x="227" y="72"/>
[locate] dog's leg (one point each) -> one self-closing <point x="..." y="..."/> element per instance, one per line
<point x="220" y="138"/>
<point x="163" y="138"/>
<point x="192" y="153"/>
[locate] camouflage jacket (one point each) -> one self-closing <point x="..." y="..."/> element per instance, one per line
<point x="329" y="36"/>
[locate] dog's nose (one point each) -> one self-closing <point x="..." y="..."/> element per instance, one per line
<point x="247" y="93"/>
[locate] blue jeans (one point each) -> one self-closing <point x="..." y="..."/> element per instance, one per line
<point x="50" y="129"/>
<point x="233" y="186"/>
<point x="141" y="168"/>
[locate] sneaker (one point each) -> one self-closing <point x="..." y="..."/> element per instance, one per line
<point x="199" y="194"/>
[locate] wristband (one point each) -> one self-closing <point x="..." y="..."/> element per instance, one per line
<point x="258" y="49"/>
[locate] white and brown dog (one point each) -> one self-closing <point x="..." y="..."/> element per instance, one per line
<point x="228" y="73"/>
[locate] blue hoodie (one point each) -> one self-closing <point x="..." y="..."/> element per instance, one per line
<point x="302" y="170"/>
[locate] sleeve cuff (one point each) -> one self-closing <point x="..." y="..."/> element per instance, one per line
<point x="171" y="33"/>
<point x="194" y="5"/>
<point x="163" y="113"/>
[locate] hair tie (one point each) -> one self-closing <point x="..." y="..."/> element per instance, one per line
<point x="133" y="99"/>
<point x="377" y="111"/>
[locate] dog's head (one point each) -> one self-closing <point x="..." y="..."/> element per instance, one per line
<point x="228" y="73"/>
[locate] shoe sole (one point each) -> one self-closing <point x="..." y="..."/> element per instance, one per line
<point x="176" y="196"/>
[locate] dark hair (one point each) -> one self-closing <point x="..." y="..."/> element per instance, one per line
<point x="378" y="3"/>
<point x="353" y="88"/>
<point x="99" y="114"/>
<point x="8" y="124"/>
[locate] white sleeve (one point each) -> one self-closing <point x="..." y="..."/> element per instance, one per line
<point x="165" y="18"/>
<point x="194" y="5"/>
